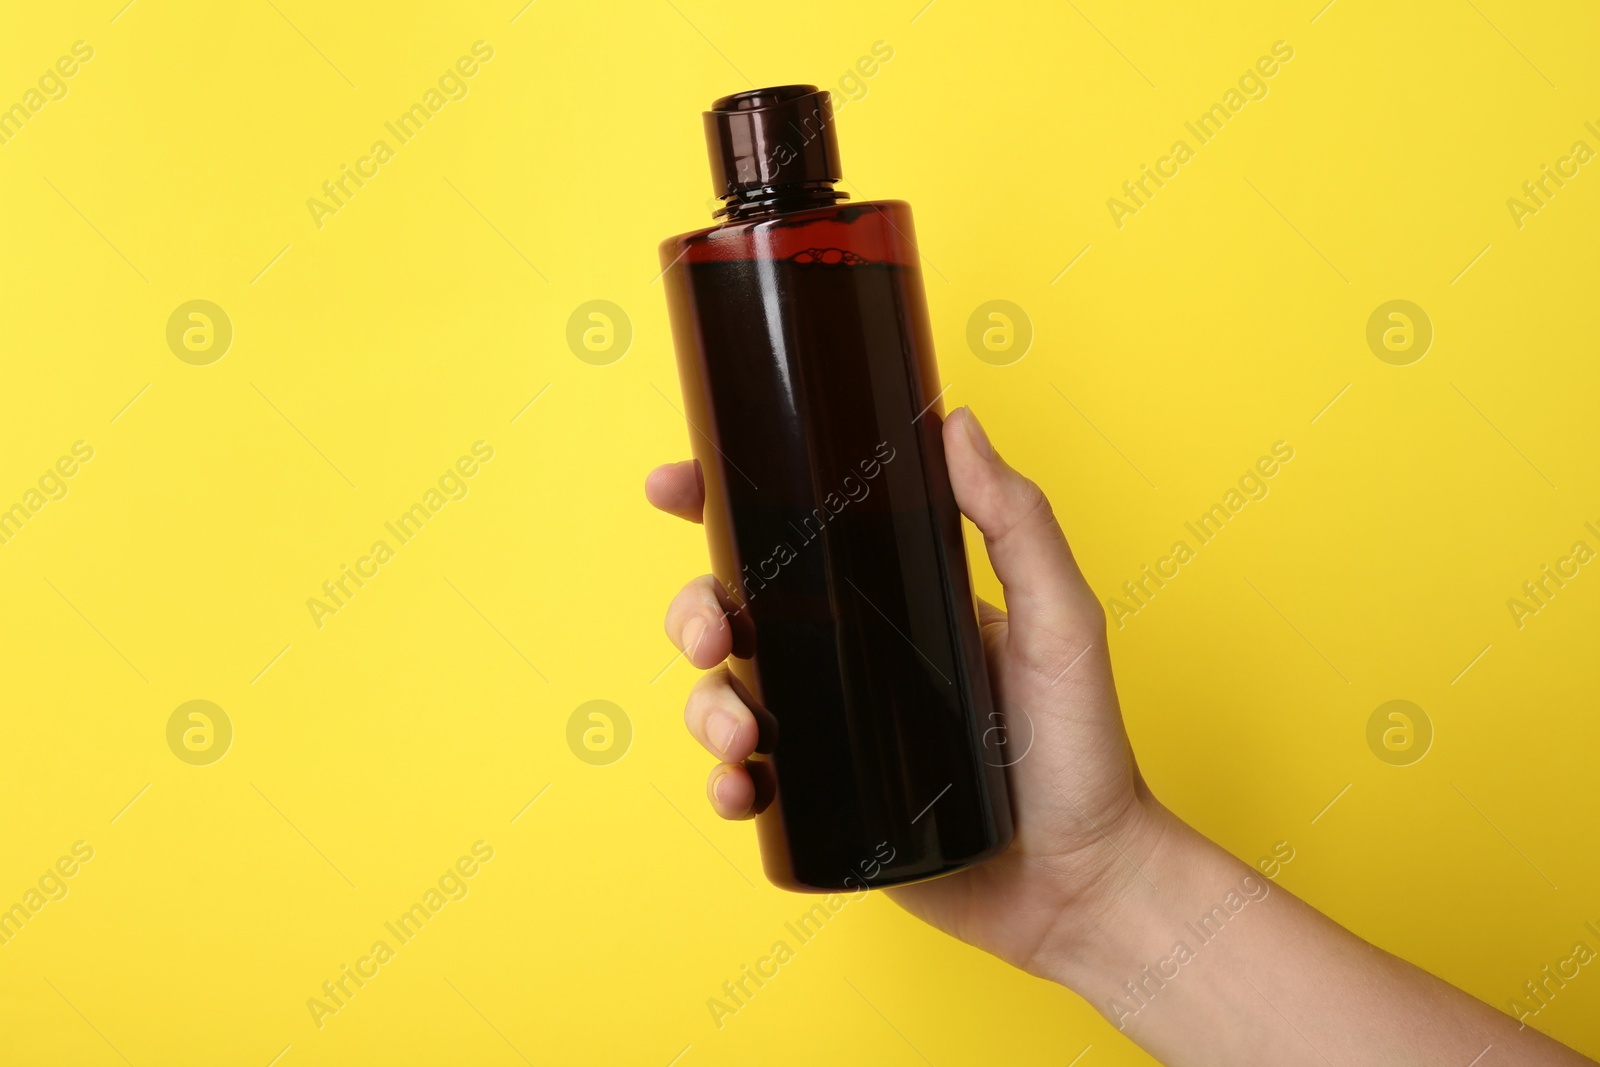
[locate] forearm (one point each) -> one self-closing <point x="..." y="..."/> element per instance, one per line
<point x="1202" y="960"/>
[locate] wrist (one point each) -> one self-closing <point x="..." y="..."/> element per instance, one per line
<point x="1156" y="864"/>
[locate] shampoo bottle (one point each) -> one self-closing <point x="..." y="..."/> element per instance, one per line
<point x="813" y="402"/>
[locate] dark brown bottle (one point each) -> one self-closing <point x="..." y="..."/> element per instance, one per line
<point x="809" y="382"/>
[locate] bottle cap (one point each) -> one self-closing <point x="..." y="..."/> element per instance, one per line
<point x="768" y="138"/>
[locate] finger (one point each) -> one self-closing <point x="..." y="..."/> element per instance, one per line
<point x="766" y="722"/>
<point x="992" y="627"/>
<point x="678" y="489"/>
<point x="988" y="614"/>
<point x="730" y="790"/>
<point x="697" y="622"/>
<point x="719" y="720"/>
<point x="1050" y="607"/>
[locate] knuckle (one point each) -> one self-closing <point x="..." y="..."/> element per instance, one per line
<point x="1094" y="616"/>
<point x="704" y="589"/>
<point x="1028" y="506"/>
<point x="705" y="694"/>
<point x="1047" y="652"/>
<point x="1050" y="655"/>
<point x="697" y="704"/>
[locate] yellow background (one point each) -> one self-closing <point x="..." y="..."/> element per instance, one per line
<point x="432" y="308"/>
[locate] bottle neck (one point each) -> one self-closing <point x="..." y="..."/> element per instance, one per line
<point x="766" y="201"/>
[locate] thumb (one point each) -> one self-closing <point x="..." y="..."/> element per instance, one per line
<point x="1053" y="612"/>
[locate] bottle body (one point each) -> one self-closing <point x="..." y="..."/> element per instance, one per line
<point x="809" y="383"/>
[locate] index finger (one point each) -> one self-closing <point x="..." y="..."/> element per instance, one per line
<point x="678" y="489"/>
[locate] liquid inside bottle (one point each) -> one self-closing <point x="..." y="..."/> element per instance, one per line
<point x="812" y="395"/>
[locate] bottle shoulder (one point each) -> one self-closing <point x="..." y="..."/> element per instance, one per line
<point x="874" y="229"/>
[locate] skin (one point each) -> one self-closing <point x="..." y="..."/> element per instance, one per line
<point x="1102" y="881"/>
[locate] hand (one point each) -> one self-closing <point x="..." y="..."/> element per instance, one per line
<point x="1084" y="817"/>
<point x="1100" y="877"/>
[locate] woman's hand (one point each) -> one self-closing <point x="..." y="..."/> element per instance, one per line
<point x="1181" y="946"/>
<point x="1085" y="821"/>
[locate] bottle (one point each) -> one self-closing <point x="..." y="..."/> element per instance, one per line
<point x="811" y="393"/>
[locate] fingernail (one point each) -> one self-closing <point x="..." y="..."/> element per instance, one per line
<point x="721" y="728"/>
<point x="693" y="632"/>
<point x="717" y="788"/>
<point x="975" y="434"/>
